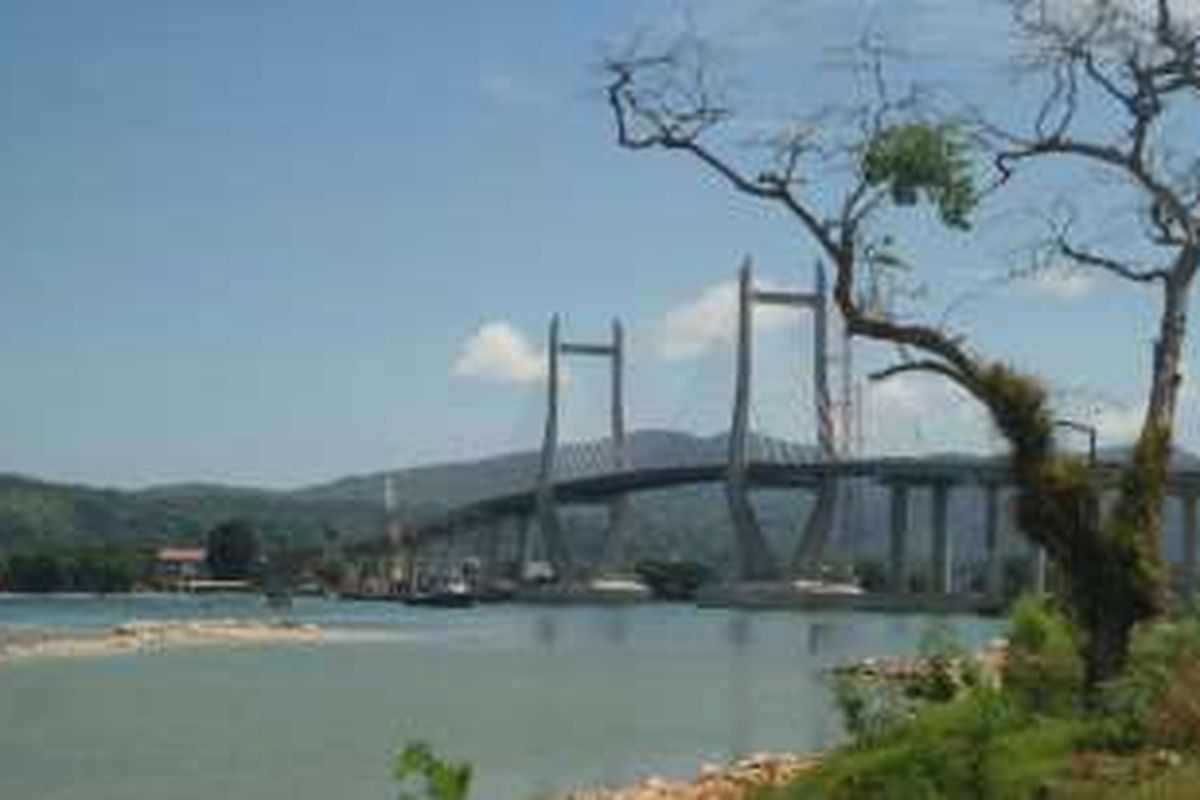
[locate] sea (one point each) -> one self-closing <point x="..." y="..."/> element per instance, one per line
<point x="538" y="699"/>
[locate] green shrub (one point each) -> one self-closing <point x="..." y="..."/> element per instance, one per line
<point x="983" y="746"/>
<point x="1043" y="671"/>
<point x="870" y="709"/>
<point x="949" y="667"/>
<point x="440" y="780"/>
<point x="1157" y="701"/>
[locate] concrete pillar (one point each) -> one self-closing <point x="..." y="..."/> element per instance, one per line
<point x="547" y="512"/>
<point x="410" y="553"/>
<point x="898" y="566"/>
<point x="755" y="560"/>
<point x="521" y="548"/>
<point x="615" y="553"/>
<point x="489" y="553"/>
<point x="1040" y="569"/>
<point x="815" y="537"/>
<point x="942" y="561"/>
<point x="1188" y="572"/>
<point x="993" y="581"/>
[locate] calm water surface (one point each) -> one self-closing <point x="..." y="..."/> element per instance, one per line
<point x="539" y="699"/>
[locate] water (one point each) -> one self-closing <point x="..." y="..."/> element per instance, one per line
<point x="538" y="699"/>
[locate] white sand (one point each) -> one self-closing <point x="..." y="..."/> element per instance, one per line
<point x="142" y="635"/>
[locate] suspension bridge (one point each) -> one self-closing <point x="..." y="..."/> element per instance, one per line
<point x="607" y="473"/>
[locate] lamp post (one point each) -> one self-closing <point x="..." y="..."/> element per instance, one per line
<point x="1080" y="427"/>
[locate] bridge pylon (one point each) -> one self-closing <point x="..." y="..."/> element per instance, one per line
<point x="615" y="554"/>
<point x="755" y="559"/>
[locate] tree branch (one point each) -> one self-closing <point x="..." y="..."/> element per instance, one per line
<point x="1111" y="265"/>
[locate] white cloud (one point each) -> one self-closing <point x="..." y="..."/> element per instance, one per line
<point x="915" y="413"/>
<point x="498" y="352"/>
<point x="709" y="320"/>
<point x="1118" y="424"/>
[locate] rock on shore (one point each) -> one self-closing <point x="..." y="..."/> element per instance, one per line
<point x="732" y="782"/>
<point x="141" y="635"/>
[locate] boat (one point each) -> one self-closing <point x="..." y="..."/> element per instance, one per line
<point x="823" y="587"/>
<point x="456" y="594"/>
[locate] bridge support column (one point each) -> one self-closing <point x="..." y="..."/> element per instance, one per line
<point x="521" y="547"/>
<point x="993" y="565"/>
<point x="410" y="554"/>
<point x="815" y="538"/>
<point x="1188" y="573"/>
<point x="1040" y="569"/>
<point x="755" y="560"/>
<point x="489" y="554"/>
<point x="614" y="558"/>
<point x="547" y="511"/>
<point x="615" y="554"/>
<point x="898" y="549"/>
<point x="943" y="561"/>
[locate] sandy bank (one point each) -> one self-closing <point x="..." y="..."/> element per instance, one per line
<point x="139" y="635"/>
<point x="732" y="782"/>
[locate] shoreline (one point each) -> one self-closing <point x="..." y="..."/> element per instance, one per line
<point x="137" y="636"/>
<point x="727" y="782"/>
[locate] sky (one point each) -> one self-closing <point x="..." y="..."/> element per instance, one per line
<point x="275" y="243"/>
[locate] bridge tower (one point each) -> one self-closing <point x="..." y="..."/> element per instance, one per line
<point x="615" y="554"/>
<point x="756" y="561"/>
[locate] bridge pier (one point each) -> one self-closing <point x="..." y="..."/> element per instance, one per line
<point x="1041" y="570"/>
<point x="557" y="552"/>
<point x="521" y="545"/>
<point x="756" y="562"/>
<point x="898" y="544"/>
<point x="941" y="558"/>
<point x="614" y="557"/>
<point x="489" y="553"/>
<point x="994" y="566"/>
<point x="615" y="554"/>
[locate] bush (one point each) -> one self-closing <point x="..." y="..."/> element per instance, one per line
<point x="980" y="747"/>
<point x="1043" y="670"/>
<point x="1157" y="701"/>
<point x="81" y="568"/>
<point x="440" y="780"/>
<point x="870" y="709"/>
<point x="948" y="667"/>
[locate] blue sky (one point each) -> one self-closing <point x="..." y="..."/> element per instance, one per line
<point x="257" y="242"/>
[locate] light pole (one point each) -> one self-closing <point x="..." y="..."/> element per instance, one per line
<point x="1080" y="427"/>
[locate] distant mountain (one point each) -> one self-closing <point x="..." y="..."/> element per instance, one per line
<point x="689" y="522"/>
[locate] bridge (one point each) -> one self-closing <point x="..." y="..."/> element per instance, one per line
<point x="607" y="473"/>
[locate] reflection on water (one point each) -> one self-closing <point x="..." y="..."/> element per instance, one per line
<point x="538" y="698"/>
<point x="546" y="630"/>
<point x="820" y="637"/>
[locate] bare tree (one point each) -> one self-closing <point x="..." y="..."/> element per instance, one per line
<point x="1112" y="78"/>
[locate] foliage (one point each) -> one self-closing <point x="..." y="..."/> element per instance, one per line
<point x="233" y="549"/>
<point x="917" y="157"/>
<point x="439" y="780"/>
<point x="949" y="668"/>
<point x="62" y="568"/>
<point x="870" y="709"/>
<point x="1043" y="671"/>
<point x="1157" y="701"/>
<point x="981" y="746"/>
<point x="673" y="580"/>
